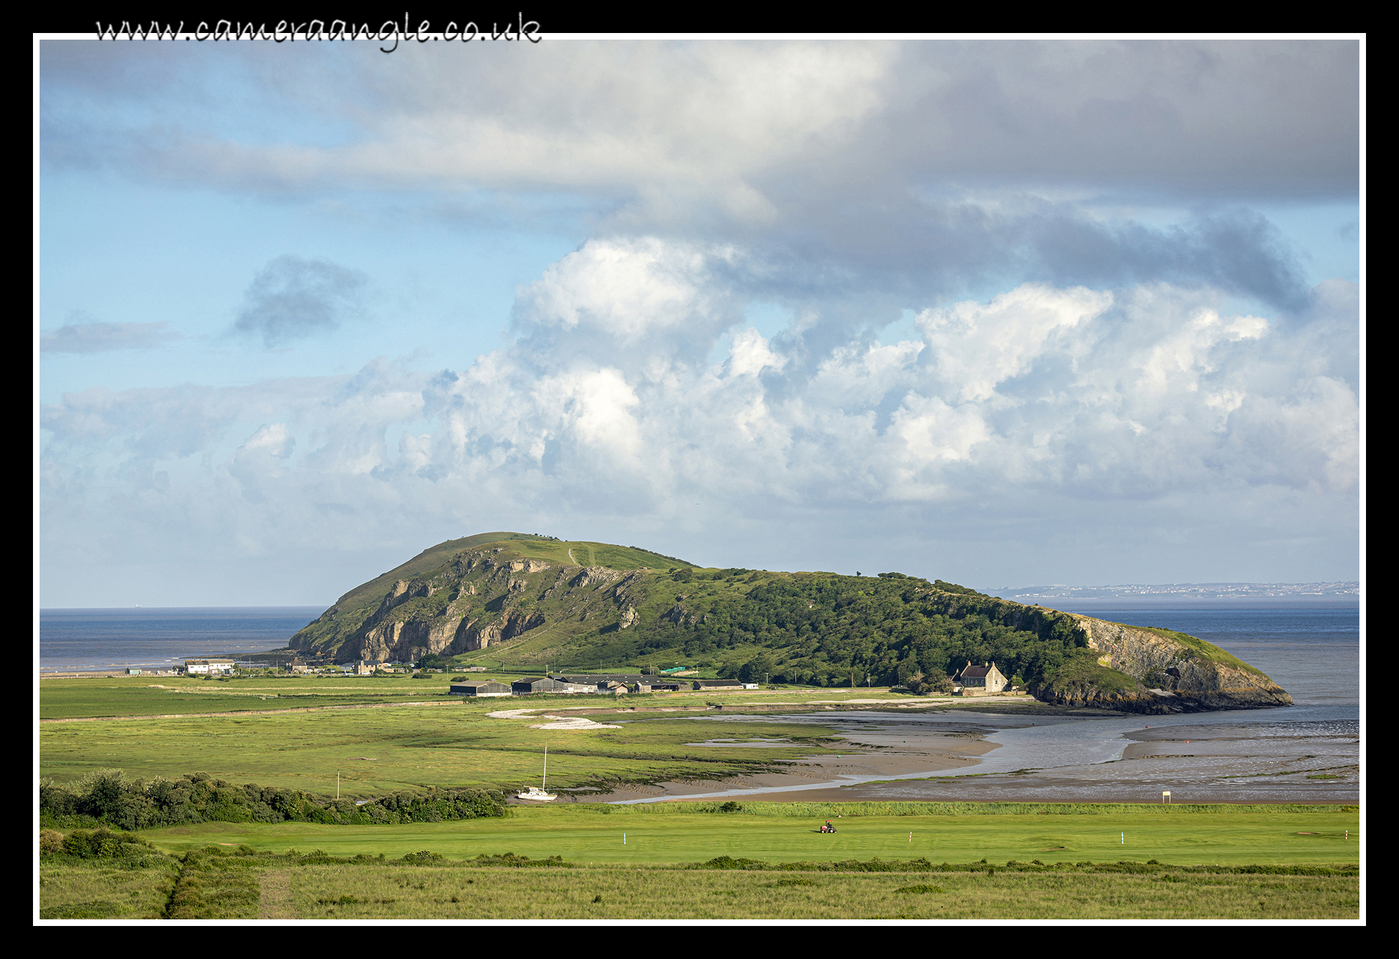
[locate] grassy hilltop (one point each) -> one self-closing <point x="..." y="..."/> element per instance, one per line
<point x="512" y="600"/>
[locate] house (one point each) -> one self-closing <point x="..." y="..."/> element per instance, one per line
<point x="484" y="688"/>
<point x="979" y="680"/>
<point x="718" y="684"/>
<point x="209" y="667"/>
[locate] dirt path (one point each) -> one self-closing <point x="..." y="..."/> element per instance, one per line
<point x="276" y="902"/>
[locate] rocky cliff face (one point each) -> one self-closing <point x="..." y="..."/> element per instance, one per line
<point x="470" y="603"/>
<point x="1168" y="674"/>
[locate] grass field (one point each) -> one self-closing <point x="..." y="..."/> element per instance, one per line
<point x="264" y="887"/>
<point x="1023" y="861"/>
<point x="102" y="697"/>
<point x="783" y="832"/>
<point x="277" y="732"/>
<point x="376" y="751"/>
<point x="628" y="893"/>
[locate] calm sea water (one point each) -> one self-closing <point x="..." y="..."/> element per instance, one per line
<point x="1310" y="650"/>
<point x="83" y="639"/>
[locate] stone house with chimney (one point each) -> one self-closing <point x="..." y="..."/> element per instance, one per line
<point x="980" y="680"/>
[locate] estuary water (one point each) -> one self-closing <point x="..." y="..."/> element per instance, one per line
<point x="80" y="640"/>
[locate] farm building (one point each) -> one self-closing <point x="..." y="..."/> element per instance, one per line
<point x="717" y="684"/>
<point x="523" y="687"/>
<point x="484" y="688"/>
<point x="630" y="682"/>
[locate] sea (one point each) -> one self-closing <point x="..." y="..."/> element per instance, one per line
<point x="85" y="640"/>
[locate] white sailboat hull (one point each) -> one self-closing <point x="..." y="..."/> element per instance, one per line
<point x="537" y="793"/>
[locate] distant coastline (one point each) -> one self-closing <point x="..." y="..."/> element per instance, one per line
<point x="1271" y="593"/>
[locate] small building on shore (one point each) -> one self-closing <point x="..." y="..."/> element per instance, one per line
<point x="209" y="667"/>
<point x="980" y="680"/>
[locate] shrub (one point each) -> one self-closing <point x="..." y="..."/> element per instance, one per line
<point x="50" y="841"/>
<point x="103" y="844"/>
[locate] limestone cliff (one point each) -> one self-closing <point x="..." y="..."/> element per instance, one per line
<point x="471" y="600"/>
<point x="1158" y="671"/>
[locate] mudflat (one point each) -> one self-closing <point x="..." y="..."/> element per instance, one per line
<point x="1205" y="763"/>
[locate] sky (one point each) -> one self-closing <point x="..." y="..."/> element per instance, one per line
<point x="999" y="312"/>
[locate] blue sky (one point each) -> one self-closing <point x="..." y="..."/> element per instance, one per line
<point x="999" y="312"/>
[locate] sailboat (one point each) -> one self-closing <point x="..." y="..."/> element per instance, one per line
<point x="537" y="793"/>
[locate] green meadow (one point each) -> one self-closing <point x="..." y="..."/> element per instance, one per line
<point x="267" y="887"/>
<point x="325" y="892"/>
<point x="671" y="832"/>
<point x="376" y="751"/>
<point x="99" y="697"/>
<point x="763" y="860"/>
<point x="303" y="733"/>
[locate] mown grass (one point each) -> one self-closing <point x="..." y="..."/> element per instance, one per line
<point x="765" y="861"/>
<point x="664" y="833"/>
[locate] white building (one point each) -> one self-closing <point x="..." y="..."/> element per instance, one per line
<point x="209" y="667"/>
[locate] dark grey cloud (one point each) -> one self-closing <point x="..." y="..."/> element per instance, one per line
<point x="1234" y="120"/>
<point x="293" y="297"/>
<point x="1193" y="118"/>
<point x="867" y="262"/>
<point x="104" y="337"/>
<point x="1235" y="250"/>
